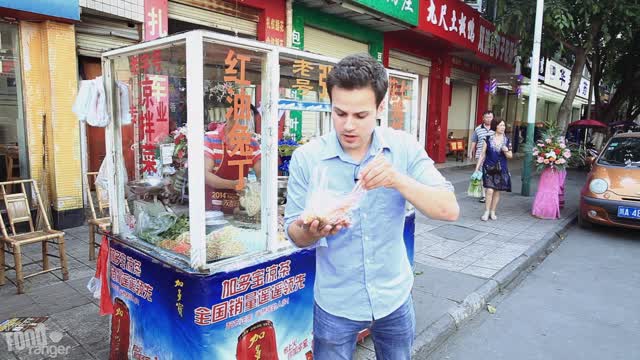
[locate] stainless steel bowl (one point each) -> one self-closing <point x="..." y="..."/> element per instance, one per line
<point x="146" y="186"/>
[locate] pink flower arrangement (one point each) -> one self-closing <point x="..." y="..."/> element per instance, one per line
<point x="551" y="152"/>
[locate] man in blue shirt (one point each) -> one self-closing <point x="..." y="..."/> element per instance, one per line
<point x="363" y="275"/>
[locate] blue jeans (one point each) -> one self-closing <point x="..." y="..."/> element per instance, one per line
<point x="334" y="337"/>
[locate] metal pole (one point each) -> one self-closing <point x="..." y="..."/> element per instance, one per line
<point x="533" y="93"/>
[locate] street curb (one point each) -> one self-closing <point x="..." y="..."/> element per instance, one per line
<point x="434" y="335"/>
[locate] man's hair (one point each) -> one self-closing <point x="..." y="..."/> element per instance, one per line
<point x="357" y="72"/>
<point x="488" y="112"/>
<point x="495" y="122"/>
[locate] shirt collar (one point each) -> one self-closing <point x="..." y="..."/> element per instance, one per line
<point x="334" y="149"/>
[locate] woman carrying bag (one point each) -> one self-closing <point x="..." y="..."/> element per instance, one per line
<point x="495" y="173"/>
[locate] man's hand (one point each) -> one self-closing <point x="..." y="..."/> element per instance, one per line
<point x="307" y="234"/>
<point x="379" y="173"/>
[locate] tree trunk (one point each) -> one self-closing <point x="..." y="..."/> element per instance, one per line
<point x="623" y="92"/>
<point x="564" y="114"/>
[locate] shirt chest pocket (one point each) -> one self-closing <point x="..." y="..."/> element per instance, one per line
<point x="388" y="202"/>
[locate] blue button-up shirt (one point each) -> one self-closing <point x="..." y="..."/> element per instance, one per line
<point x="362" y="273"/>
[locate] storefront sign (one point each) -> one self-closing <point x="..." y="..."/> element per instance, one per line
<point x="398" y="89"/>
<point x="295" y="124"/>
<point x="284" y="104"/>
<point x="150" y="111"/>
<point x="156" y="19"/>
<point x="559" y="76"/>
<point x="462" y="25"/>
<point x="66" y="9"/>
<point x="404" y="10"/>
<point x="275" y="34"/>
<point x="264" y="311"/>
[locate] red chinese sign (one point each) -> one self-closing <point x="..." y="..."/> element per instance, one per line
<point x="239" y="114"/>
<point x="275" y="33"/>
<point x="397" y="97"/>
<point x="151" y="114"/>
<point x="462" y="25"/>
<point x="156" y="19"/>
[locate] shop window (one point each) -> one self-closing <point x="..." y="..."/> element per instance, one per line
<point x="400" y="98"/>
<point x="13" y="151"/>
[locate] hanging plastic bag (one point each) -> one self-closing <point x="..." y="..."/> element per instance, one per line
<point x="152" y="219"/>
<point x="327" y="206"/>
<point x="104" y="176"/>
<point x="475" y="185"/>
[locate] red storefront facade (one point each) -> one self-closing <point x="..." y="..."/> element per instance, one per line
<point x="455" y="40"/>
<point x="271" y="22"/>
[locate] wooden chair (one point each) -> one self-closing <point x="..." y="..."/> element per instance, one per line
<point x="11" y="163"/>
<point x="18" y="212"/>
<point x="103" y="221"/>
<point x="457" y="148"/>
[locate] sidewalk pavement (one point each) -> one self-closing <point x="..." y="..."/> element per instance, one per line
<point x="459" y="267"/>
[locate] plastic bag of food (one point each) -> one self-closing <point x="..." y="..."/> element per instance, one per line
<point x="475" y="185"/>
<point x="327" y="206"/>
<point x="152" y="219"/>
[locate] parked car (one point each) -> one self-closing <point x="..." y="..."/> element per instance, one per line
<point x="611" y="195"/>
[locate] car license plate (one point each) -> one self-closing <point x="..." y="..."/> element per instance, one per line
<point x="628" y="212"/>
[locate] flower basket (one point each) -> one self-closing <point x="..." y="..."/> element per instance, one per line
<point x="551" y="156"/>
<point x="551" y="151"/>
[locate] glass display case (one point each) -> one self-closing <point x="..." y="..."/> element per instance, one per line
<point x="195" y="133"/>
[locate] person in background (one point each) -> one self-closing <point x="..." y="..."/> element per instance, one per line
<point x="597" y="139"/>
<point x="477" y="141"/>
<point x="224" y="147"/>
<point x="363" y="275"/>
<point x="495" y="171"/>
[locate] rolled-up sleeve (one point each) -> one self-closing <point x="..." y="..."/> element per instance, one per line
<point x="297" y="187"/>
<point x="422" y="168"/>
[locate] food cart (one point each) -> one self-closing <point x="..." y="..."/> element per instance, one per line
<point x="199" y="265"/>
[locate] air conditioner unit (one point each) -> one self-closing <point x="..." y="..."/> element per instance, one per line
<point x="476" y="4"/>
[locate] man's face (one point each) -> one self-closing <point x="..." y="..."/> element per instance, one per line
<point x="487" y="118"/>
<point x="354" y="114"/>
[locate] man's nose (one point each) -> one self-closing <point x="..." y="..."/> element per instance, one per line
<point x="349" y="123"/>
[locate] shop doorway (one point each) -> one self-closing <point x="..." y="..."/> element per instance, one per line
<point x="91" y="68"/>
<point x="462" y="120"/>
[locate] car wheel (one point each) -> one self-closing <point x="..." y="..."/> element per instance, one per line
<point x="584" y="223"/>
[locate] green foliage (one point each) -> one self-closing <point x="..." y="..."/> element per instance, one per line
<point x="578" y="29"/>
